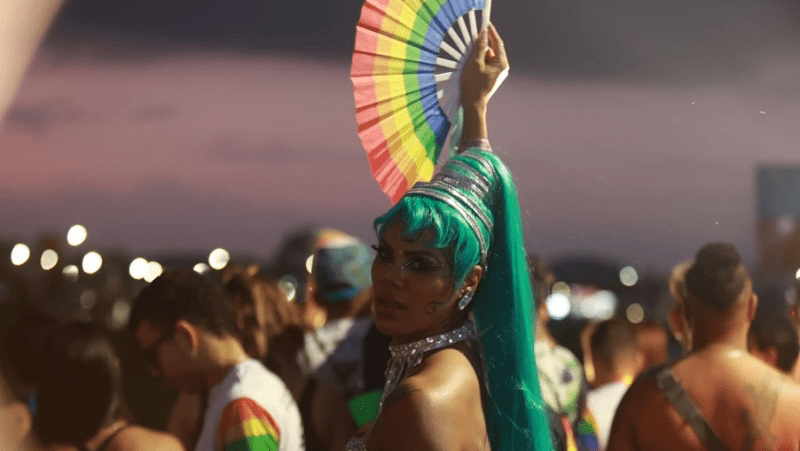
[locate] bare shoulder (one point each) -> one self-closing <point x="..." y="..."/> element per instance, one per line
<point x="137" y="438"/>
<point x="437" y="408"/>
<point x="641" y="397"/>
<point x="447" y="370"/>
<point x="770" y="416"/>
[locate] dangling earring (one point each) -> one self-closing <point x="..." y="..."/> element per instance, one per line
<point x="464" y="301"/>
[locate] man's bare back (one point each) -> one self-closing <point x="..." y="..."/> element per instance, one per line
<point x="745" y="404"/>
<point x="750" y="405"/>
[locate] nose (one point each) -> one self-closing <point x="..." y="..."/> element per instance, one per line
<point x="387" y="272"/>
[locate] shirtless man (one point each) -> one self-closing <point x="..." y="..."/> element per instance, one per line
<point x="744" y="403"/>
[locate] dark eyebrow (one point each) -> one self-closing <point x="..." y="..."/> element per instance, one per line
<point x="430" y="254"/>
<point x="425" y="253"/>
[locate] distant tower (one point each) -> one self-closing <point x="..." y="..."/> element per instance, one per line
<point x="778" y="220"/>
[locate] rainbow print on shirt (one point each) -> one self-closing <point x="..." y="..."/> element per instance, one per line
<point x="245" y="425"/>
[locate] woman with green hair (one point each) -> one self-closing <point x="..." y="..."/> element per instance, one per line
<point x="452" y="288"/>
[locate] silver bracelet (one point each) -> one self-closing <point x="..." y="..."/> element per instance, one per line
<point x="480" y="143"/>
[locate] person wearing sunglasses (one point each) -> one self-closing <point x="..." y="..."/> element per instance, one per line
<point x="186" y="332"/>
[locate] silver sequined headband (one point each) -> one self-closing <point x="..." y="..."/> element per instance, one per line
<point x="446" y="186"/>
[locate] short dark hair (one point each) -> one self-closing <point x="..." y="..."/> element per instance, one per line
<point x="775" y="330"/>
<point x="80" y="390"/>
<point x="542" y="277"/>
<point x="183" y="294"/>
<point x="25" y="341"/>
<point x="717" y="276"/>
<point x="612" y="339"/>
<point x="11" y="387"/>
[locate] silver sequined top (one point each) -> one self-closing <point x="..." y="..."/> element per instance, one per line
<point x="407" y="356"/>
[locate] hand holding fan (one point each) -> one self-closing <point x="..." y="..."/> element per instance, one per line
<point x="406" y="75"/>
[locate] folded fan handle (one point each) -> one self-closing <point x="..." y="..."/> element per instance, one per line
<point x="487" y="12"/>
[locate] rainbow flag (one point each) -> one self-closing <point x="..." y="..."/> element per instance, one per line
<point x="245" y="425"/>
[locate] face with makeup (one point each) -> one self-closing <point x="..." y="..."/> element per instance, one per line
<point x="416" y="293"/>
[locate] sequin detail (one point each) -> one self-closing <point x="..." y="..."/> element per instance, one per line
<point x="407" y="356"/>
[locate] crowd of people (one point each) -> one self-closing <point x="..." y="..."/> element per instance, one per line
<point x="437" y="340"/>
<point x="255" y="370"/>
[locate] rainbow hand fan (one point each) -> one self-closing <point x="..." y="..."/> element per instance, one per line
<point x="406" y="76"/>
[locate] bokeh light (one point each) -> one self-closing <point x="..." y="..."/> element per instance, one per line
<point x="20" y="254"/>
<point x="201" y="268"/>
<point x="120" y="313"/>
<point x="70" y="272"/>
<point x="797" y="274"/>
<point x="561" y="288"/>
<point x="309" y="263"/>
<point x="76" y="235"/>
<point x="635" y="313"/>
<point x="219" y="258"/>
<point x="558" y="306"/>
<point x="289" y="286"/>
<point x="92" y="262"/>
<point x="154" y="269"/>
<point x="49" y="259"/>
<point x="88" y="299"/>
<point x="628" y="276"/>
<point x="138" y="268"/>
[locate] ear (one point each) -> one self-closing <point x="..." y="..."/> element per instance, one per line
<point x="640" y="362"/>
<point x="675" y="322"/>
<point x="189" y="333"/>
<point x="472" y="280"/>
<point x="752" y="305"/>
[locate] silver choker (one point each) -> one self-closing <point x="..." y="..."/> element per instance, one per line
<point x="407" y="356"/>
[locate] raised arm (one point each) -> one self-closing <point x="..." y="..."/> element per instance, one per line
<point x="483" y="72"/>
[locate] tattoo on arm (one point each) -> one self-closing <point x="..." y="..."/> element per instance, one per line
<point x="759" y="421"/>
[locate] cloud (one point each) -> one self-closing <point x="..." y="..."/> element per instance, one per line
<point x="39" y="118"/>
<point x="240" y="147"/>
<point x="647" y="40"/>
<point x="154" y="112"/>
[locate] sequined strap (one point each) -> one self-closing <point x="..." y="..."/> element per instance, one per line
<point x="417" y="348"/>
<point x="409" y="355"/>
<point x="356" y="444"/>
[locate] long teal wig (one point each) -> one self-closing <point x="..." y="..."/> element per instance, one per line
<point x="515" y="413"/>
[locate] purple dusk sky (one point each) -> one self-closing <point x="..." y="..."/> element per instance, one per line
<point x="194" y="150"/>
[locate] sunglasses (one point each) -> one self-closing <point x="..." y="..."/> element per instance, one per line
<point x="150" y="353"/>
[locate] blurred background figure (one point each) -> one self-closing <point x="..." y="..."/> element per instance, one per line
<point x="560" y="372"/>
<point x="25" y="341"/>
<point x="80" y="399"/>
<point x="270" y="329"/>
<point x="23" y="23"/>
<point x="653" y="341"/>
<point x="561" y="375"/>
<point x="773" y="338"/>
<point x="185" y="330"/>
<point x="678" y="291"/>
<point x="15" y="417"/>
<point x="617" y="360"/>
<point x="340" y="286"/>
